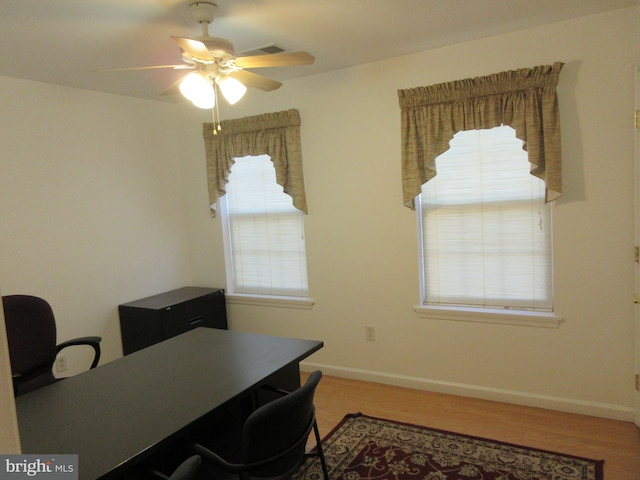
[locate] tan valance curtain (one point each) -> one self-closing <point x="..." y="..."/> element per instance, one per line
<point x="274" y="134"/>
<point x="524" y="99"/>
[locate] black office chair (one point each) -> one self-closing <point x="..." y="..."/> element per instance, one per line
<point x="31" y="335"/>
<point x="185" y="471"/>
<point x="274" y="437"/>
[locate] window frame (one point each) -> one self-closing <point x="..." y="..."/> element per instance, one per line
<point x="267" y="300"/>
<point x="504" y="316"/>
<point x="496" y="315"/>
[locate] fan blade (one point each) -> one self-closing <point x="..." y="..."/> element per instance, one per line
<point x="153" y="67"/>
<point x="195" y="48"/>
<point x="173" y="88"/>
<point x="254" y="80"/>
<point x="284" y="59"/>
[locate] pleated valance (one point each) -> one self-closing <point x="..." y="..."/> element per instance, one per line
<point x="524" y="99"/>
<point x="274" y="134"/>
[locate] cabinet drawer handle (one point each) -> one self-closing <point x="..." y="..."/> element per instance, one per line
<point x="196" y="320"/>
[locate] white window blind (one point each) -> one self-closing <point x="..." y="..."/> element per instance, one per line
<point x="485" y="229"/>
<point x="264" y="234"/>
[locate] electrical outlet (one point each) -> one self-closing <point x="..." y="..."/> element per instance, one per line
<point x="61" y="364"/>
<point x="370" y="333"/>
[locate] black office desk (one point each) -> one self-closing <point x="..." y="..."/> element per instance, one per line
<point x="116" y="414"/>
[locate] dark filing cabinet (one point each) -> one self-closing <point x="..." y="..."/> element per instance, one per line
<point x="153" y="319"/>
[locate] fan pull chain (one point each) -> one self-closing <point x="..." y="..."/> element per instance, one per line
<point x="213" y="115"/>
<point x="215" y="112"/>
<point x="219" y="128"/>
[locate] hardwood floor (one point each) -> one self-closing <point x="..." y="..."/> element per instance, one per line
<point x="615" y="442"/>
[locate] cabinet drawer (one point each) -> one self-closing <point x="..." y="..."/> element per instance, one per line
<point x="205" y="311"/>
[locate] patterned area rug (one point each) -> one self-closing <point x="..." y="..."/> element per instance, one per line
<point x="367" y="448"/>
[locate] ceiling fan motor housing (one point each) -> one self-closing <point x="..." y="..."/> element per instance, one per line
<point x="219" y="48"/>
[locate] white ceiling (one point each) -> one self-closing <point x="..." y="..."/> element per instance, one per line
<point x="65" y="41"/>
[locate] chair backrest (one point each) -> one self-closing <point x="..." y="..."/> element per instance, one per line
<point x="282" y="425"/>
<point x="31" y="335"/>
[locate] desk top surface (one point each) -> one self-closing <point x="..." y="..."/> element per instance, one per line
<point x="115" y="412"/>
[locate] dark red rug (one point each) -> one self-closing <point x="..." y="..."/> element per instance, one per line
<point x="367" y="448"/>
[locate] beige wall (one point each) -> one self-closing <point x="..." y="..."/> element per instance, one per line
<point x="92" y="202"/>
<point x="103" y="200"/>
<point x="361" y="240"/>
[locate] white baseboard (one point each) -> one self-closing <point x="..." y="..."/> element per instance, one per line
<point x="595" y="409"/>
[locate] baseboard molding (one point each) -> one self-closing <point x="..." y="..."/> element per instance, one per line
<point x="581" y="407"/>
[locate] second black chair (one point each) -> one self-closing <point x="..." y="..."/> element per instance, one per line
<point x="274" y="437"/>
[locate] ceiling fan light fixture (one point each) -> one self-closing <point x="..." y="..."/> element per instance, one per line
<point x="231" y="88"/>
<point x="206" y="102"/>
<point x="215" y="65"/>
<point x="197" y="88"/>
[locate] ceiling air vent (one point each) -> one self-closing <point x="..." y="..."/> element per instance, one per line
<point x="266" y="50"/>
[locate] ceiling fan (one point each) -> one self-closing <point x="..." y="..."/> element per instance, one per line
<point x="215" y="66"/>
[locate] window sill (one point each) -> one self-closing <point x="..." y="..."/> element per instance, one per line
<point x="270" y="301"/>
<point x="489" y="315"/>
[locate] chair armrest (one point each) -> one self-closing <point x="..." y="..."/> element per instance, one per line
<point x="93" y="342"/>
<point x="216" y="459"/>
<point x="159" y="474"/>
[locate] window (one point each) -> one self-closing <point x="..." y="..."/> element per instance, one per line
<point x="263" y="233"/>
<point x="485" y="228"/>
<point x="483" y="258"/>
